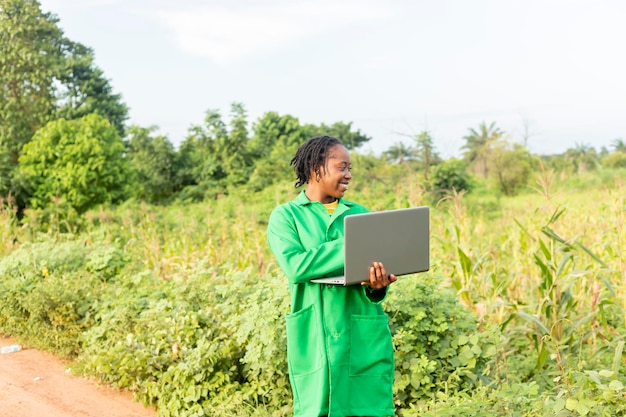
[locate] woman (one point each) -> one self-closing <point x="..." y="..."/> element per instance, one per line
<point x="339" y="345"/>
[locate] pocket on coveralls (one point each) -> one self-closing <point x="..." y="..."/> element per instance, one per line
<point x="371" y="348"/>
<point x="304" y="352"/>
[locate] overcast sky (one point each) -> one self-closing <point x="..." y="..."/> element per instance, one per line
<point x="555" y="69"/>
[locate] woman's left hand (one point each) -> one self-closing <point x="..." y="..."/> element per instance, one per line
<point x="378" y="277"/>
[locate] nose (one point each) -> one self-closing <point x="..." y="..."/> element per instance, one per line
<point x="348" y="174"/>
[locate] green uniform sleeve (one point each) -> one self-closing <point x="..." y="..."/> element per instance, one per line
<point x="298" y="263"/>
<point x="375" y="296"/>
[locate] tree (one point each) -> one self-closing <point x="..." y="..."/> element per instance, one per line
<point x="581" y="158"/>
<point x="510" y="167"/>
<point x="85" y="90"/>
<point x="275" y="140"/>
<point x="425" y="152"/>
<point x="198" y="164"/>
<point x="478" y="143"/>
<point x="399" y="152"/>
<point x="80" y="161"/>
<point x="44" y="76"/>
<point x="340" y="130"/>
<point x="233" y="149"/>
<point x="213" y="157"/>
<point x="619" y="145"/>
<point x="152" y="160"/>
<point x="30" y="45"/>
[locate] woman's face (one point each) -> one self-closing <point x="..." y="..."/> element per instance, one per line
<point x="335" y="178"/>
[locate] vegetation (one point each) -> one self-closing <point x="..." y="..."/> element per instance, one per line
<point x="147" y="265"/>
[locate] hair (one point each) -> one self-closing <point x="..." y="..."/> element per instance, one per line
<point x="310" y="156"/>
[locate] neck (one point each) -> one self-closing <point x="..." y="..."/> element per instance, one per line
<point x="313" y="195"/>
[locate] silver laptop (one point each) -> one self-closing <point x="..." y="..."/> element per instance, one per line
<point x="397" y="238"/>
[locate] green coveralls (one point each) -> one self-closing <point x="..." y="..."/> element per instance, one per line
<point x="339" y="346"/>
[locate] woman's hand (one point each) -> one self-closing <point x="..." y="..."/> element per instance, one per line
<point x="378" y="277"/>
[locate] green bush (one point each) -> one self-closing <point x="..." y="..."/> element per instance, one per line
<point x="448" y="176"/>
<point x="438" y="345"/>
<point x="47" y="295"/>
<point x="615" y="160"/>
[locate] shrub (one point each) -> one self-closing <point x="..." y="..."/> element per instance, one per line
<point x="438" y="345"/>
<point x="448" y="176"/>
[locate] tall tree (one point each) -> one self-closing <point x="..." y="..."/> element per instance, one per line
<point x="215" y="156"/>
<point x="233" y="150"/>
<point x="425" y="152"/>
<point x="152" y="160"/>
<point x="198" y="163"/>
<point x="275" y="140"/>
<point x="43" y="76"/>
<point x="85" y="90"/>
<point x="30" y="47"/>
<point x="478" y="143"/>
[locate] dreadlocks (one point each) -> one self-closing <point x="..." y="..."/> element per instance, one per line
<point x="310" y="156"/>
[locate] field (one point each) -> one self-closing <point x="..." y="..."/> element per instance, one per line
<point x="521" y="314"/>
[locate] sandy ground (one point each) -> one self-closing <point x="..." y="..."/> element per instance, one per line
<point x="36" y="384"/>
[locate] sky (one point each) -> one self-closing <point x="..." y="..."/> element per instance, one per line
<point x="549" y="73"/>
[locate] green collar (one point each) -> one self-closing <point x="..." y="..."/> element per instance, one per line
<point x="303" y="200"/>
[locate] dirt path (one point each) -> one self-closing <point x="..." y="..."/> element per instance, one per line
<point x="36" y="384"/>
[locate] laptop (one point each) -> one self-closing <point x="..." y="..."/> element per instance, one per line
<point x="397" y="238"/>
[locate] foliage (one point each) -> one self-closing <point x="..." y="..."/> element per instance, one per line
<point x="449" y="176"/>
<point x="438" y="345"/>
<point x="79" y="161"/>
<point x="45" y="76"/>
<point x="581" y="158"/>
<point x="511" y="167"/>
<point x="169" y="305"/>
<point x="48" y="294"/>
<point x="275" y="141"/>
<point x="342" y="131"/>
<point x="615" y="160"/>
<point x="85" y="90"/>
<point x="29" y="47"/>
<point x="152" y="159"/>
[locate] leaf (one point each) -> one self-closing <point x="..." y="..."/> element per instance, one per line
<point x="522" y="227"/>
<point x="606" y="373"/>
<point x="466" y="263"/>
<point x="555" y="216"/>
<point x="617" y="358"/>
<point x="593" y="255"/>
<point x="462" y="340"/>
<point x="534" y="319"/>
<point x="559" y="404"/>
<point x="567" y="257"/>
<point x="616" y="385"/>
<point x="571" y="404"/>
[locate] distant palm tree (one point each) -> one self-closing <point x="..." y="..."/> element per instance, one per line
<point x="619" y="145"/>
<point x="478" y="143"/>
<point x="399" y="152"/>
